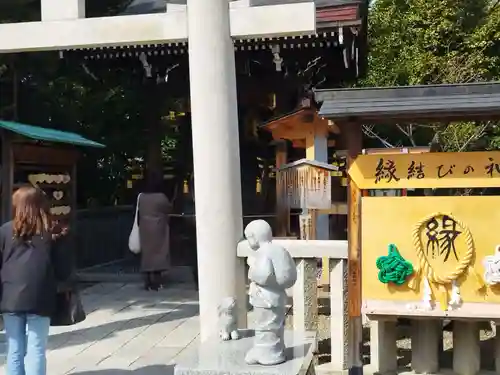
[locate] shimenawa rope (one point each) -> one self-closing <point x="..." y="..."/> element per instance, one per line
<point x="425" y="269"/>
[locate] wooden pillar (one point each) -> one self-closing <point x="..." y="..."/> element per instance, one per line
<point x="7" y="177"/>
<point x="73" y="221"/>
<point x="282" y="212"/>
<point x="317" y="149"/>
<point x="354" y="141"/>
<point x="466" y="348"/>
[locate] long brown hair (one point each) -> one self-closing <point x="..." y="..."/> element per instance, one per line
<point x="31" y="213"/>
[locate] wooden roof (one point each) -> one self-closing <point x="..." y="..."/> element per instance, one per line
<point x="297" y="125"/>
<point x="308" y="162"/>
<point x="303" y="116"/>
<point x="471" y="101"/>
<point x="340" y="29"/>
<point x="329" y="12"/>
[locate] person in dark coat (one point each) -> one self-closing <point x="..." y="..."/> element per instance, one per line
<point x="32" y="267"/>
<point x="154" y="232"/>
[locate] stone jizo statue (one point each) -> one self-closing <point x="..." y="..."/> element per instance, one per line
<point x="272" y="271"/>
<point x="228" y="320"/>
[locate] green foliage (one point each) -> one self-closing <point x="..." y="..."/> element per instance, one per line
<point x="414" y="42"/>
<point x="107" y="103"/>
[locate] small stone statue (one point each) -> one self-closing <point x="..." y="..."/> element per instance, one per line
<point x="228" y="321"/>
<point x="272" y="271"/>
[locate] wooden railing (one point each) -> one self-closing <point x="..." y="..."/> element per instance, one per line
<point x="305" y="291"/>
<point x="102" y="235"/>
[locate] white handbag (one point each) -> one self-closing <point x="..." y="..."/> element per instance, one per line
<point x="134" y="240"/>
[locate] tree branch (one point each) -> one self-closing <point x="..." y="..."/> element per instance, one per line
<point x="408" y="133"/>
<point x="478" y="134"/>
<point x="368" y="130"/>
<point x="88" y="72"/>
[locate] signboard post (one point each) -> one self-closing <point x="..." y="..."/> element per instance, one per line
<point x="354" y="135"/>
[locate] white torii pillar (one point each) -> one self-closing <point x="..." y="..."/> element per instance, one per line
<point x="216" y="158"/>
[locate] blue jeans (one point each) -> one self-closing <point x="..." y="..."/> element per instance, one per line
<point x="27" y="337"/>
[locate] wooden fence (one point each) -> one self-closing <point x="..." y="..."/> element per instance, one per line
<point x="102" y="235"/>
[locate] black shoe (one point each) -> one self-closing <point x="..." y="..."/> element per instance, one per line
<point x="154" y="287"/>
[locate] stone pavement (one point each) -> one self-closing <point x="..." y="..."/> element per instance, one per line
<point x="127" y="331"/>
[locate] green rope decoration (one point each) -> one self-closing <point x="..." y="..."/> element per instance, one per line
<point x="393" y="267"/>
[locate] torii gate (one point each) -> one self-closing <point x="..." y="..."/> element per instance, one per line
<point x="209" y="26"/>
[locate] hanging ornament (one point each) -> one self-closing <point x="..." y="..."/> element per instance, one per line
<point x="393" y="268"/>
<point x="456" y="298"/>
<point x="491" y="265"/>
<point x="58" y="195"/>
<point x="427" y="303"/>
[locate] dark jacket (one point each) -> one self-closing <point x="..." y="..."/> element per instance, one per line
<point x="30" y="272"/>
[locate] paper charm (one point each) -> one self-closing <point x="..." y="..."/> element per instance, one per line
<point x="456" y="298"/>
<point x="37" y="178"/>
<point x="58" y="195"/>
<point x="51" y="178"/>
<point x="66" y="178"/>
<point x="33" y="179"/>
<point x="60" y="210"/>
<point x="43" y="177"/>
<point x="427" y="303"/>
<point x="491" y="265"/>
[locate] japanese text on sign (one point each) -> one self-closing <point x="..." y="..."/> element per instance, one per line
<point x="441" y="234"/>
<point x="386" y="169"/>
<point x="472" y="169"/>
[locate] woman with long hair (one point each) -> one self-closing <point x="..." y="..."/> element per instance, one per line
<point x="30" y="271"/>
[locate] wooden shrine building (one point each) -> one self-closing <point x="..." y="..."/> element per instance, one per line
<point x="274" y="74"/>
<point x="300" y="129"/>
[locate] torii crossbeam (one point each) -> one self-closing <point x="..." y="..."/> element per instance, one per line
<point x="65" y="27"/>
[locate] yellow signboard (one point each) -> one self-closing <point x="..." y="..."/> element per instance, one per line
<point x="427" y="170"/>
<point x="430" y="250"/>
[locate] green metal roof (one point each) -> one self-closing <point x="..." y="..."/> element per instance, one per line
<point x="47" y="134"/>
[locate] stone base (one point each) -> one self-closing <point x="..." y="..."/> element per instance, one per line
<point x="214" y="357"/>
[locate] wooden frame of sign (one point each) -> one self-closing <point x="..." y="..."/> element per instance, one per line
<point x="48" y="166"/>
<point x="352" y="140"/>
